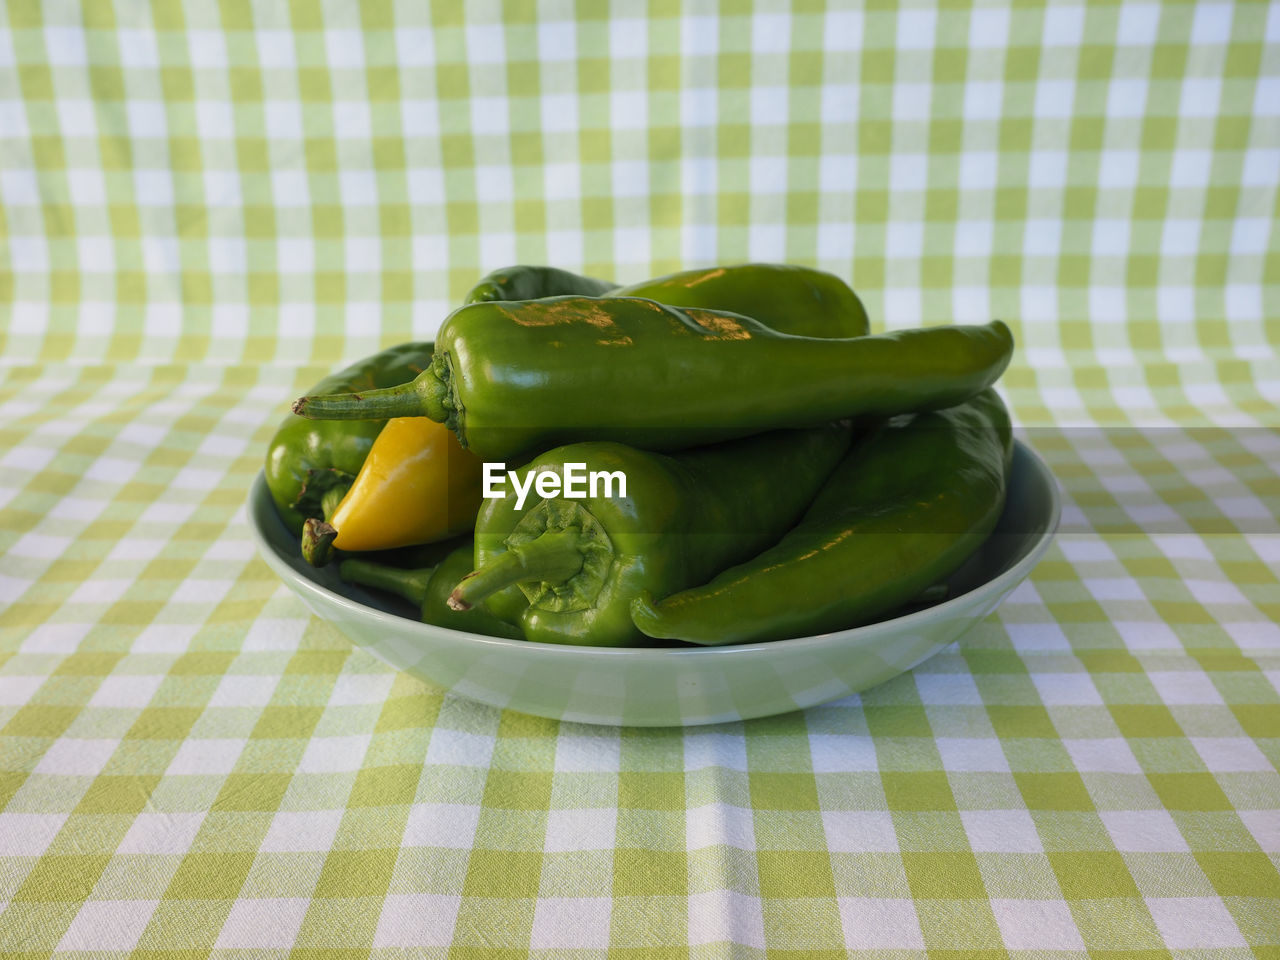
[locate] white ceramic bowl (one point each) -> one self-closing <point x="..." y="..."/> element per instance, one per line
<point x="674" y="686"/>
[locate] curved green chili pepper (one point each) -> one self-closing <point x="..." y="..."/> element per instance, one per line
<point x="515" y="378"/>
<point x="795" y="300"/>
<point x="567" y="569"/>
<point x="310" y="465"/>
<point x="428" y="589"/>
<point x="533" y="283"/>
<point x="424" y="554"/>
<point x="901" y="512"/>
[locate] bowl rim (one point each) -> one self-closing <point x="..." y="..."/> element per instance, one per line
<point x="431" y="633"/>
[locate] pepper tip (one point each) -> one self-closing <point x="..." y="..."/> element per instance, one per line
<point x="456" y="601"/>
<point x="300" y="406"/>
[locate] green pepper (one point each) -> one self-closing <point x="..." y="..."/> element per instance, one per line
<point x="428" y="589"/>
<point x="424" y="554"/>
<point x="903" y="511"/>
<point x="516" y="378"/>
<point x="795" y="300"/>
<point x="567" y="569"/>
<point x="533" y="283"/>
<point x="311" y="465"/>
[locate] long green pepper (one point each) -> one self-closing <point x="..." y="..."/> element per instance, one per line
<point x="428" y="589"/>
<point x="789" y="299"/>
<point x="516" y="378"/>
<point x="796" y="300"/>
<point x="566" y="570"/>
<point x="903" y="511"/>
<point x="526" y="282"/>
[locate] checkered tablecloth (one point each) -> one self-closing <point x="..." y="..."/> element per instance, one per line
<point x="204" y="207"/>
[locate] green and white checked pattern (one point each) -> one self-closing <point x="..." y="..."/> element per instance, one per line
<point x="203" y="207"/>
<point x="218" y="182"/>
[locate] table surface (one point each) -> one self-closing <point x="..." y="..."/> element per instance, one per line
<point x="203" y="214"/>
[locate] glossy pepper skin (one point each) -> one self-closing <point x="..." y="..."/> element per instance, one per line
<point x="305" y="460"/>
<point x="567" y="569"/>
<point x="417" y="485"/>
<point x="900" y="513"/>
<point x="789" y="299"/>
<point x="428" y="589"/>
<point x="532" y="283"/>
<point x="516" y="378"/>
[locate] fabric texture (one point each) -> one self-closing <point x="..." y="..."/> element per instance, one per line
<point x="206" y="207"/>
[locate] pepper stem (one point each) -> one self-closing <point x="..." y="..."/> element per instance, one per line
<point x="401" y="401"/>
<point x="317" y="541"/>
<point x="430" y="394"/>
<point x="551" y="557"/>
<point x="410" y="584"/>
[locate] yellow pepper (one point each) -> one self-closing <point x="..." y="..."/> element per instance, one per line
<point x="416" y="486"/>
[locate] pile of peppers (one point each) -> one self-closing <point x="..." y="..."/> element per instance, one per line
<point x="787" y="472"/>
